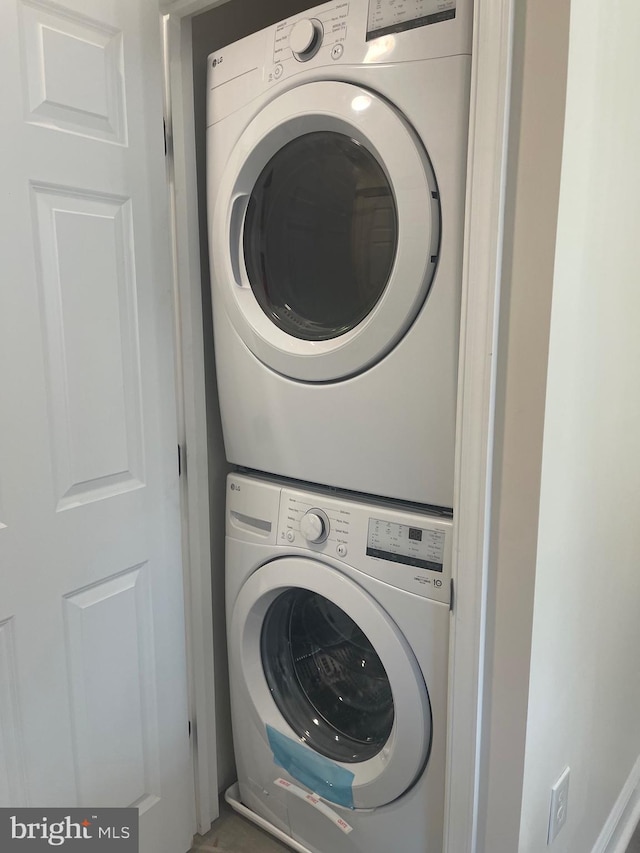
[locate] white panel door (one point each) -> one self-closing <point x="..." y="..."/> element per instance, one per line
<point x="93" y="707"/>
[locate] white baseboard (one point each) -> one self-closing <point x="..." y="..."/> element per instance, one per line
<point x="617" y="831"/>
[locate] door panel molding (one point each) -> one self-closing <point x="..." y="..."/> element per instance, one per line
<point x="90" y="322"/>
<point x="115" y="742"/>
<point x="13" y="783"/>
<point x="57" y="43"/>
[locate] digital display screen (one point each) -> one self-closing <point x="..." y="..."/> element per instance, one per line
<point x="396" y="16"/>
<point x="400" y="543"/>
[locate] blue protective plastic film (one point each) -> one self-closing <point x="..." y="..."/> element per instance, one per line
<point x="323" y="776"/>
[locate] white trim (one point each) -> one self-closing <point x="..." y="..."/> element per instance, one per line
<point x="490" y="90"/>
<point x="623" y="818"/>
<point x="181" y="9"/>
<point x="195" y="487"/>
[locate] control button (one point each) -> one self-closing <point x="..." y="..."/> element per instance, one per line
<point x="277" y="71"/>
<point x="341" y="550"/>
<point x="291" y="535"/>
<point x="336" y="51"/>
<point x="314" y="526"/>
<point x="305" y="38"/>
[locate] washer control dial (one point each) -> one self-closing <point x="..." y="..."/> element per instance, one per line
<point x="314" y="526"/>
<point x="305" y="38"/>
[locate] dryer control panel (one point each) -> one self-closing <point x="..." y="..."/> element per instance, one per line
<point x="398" y="544"/>
<point x="326" y="40"/>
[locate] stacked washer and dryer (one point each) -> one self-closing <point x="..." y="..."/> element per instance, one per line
<point x="336" y="155"/>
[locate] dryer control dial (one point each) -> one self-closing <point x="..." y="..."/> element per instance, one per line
<point x="314" y="526"/>
<point x="305" y="38"/>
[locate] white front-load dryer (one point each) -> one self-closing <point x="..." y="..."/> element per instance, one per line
<point x="336" y="146"/>
<point x="338" y="629"/>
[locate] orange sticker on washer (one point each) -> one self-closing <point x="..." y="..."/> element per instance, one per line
<point x="317" y="803"/>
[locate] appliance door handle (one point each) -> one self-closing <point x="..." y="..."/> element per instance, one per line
<point x="236" y="220"/>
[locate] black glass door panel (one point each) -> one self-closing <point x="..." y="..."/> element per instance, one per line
<point x="325" y="677"/>
<point x="320" y="235"/>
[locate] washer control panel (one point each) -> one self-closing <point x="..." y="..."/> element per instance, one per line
<point x="308" y="524"/>
<point x="403" y="547"/>
<point x="422" y="547"/>
<point x="315" y="525"/>
<point x="399" y="545"/>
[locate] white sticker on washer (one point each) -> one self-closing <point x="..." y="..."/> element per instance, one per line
<point x="317" y="803"/>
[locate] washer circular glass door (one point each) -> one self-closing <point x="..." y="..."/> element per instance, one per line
<point x="325" y="677"/>
<point x="326" y="231"/>
<point x="338" y="679"/>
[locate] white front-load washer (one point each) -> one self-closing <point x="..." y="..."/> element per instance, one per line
<point x="336" y="147"/>
<point x="338" y="629"/>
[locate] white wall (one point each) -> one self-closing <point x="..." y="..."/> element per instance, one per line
<point x="584" y="694"/>
<point x="540" y="44"/>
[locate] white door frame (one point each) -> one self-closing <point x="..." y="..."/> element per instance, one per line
<point x="192" y="426"/>
<point x="490" y="88"/>
<point x="485" y="198"/>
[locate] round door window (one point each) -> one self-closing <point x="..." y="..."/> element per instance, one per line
<point x="320" y="235"/>
<point x="325" y="677"/>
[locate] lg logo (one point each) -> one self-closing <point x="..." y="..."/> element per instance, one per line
<point x="234" y="488"/>
<point x="217" y="60"/>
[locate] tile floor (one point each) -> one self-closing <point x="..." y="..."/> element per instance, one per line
<point x="231" y="833"/>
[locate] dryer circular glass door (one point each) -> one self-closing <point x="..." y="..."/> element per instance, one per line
<point x="326" y="231"/>
<point x="322" y="664"/>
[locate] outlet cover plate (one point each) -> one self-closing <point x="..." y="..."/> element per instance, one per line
<point x="559" y="804"/>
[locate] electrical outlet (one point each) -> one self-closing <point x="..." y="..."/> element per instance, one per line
<point x="559" y="803"/>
